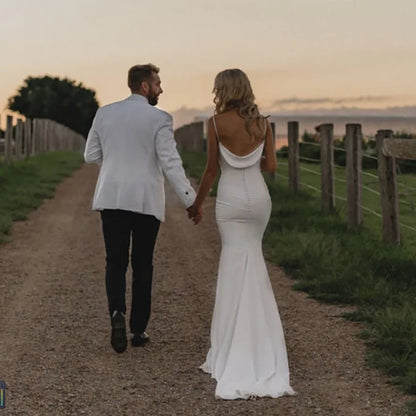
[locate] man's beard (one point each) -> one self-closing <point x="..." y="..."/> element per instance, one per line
<point x="152" y="99"/>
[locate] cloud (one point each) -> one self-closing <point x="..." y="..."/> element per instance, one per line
<point x="303" y="101"/>
<point x="295" y="101"/>
<point x="185" y="115"/>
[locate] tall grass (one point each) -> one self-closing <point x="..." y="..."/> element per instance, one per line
<point x="354" y="267"/>
<point x="25" y="184"/>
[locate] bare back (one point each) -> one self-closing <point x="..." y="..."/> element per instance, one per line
<point x="232" y="133"/>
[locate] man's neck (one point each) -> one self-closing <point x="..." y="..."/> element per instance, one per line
<point x="139" y="93"/>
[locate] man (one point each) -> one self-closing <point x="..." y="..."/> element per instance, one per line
<point x="133" y="141"/>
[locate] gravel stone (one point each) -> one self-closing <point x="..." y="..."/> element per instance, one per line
<point x="55" y="354"/>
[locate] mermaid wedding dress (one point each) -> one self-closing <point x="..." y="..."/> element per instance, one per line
<point x="248" y="354"/>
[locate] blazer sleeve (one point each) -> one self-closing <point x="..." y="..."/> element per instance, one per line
<point x="93" y="152"/>
<point x="171" y="162"/>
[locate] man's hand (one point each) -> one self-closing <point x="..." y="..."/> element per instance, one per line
<point x="195" y="214"/>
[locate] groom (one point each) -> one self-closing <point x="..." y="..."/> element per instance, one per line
<point x="133" y="141"/>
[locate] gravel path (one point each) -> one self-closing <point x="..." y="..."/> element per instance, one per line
<point x="55" y="354"/>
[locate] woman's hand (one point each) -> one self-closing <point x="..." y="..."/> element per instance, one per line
<point x="195" y="213"/>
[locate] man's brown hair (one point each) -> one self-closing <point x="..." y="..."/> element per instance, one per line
<point x="139" y="73"/>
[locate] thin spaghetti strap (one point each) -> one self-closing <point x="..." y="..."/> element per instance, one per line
<point x="215" y="127"/>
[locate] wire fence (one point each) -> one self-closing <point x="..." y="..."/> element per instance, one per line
<point x="370" y="186"/>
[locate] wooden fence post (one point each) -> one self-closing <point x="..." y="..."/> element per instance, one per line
<point x="388" y="190"/>
<point x="327" y="167"/>
<point x="51" y="135"/>
<point x="8" y="140"/>
<point x="189" y="137"/>
<point x="39" y="132"/>
<point x="33" y="137"/>
<point x="61" y="139"/>
<point x="28" y="137"/>
<point x="56" y="131"/>
<point x="272" y="175"/>
<point x="293" y="141"/>
<point x="354" y="175"/>
<point x="42" y="136"/>
<point x="47" y="135"/>
<point x="19" y="139"/>
<point x="35" y="133"/>
<point x="196" y="132"/>
<point x="273" y="129"/>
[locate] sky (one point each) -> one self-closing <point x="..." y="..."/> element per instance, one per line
<point x="298" y="54"/>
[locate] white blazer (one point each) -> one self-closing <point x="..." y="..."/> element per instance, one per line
<point x="134" y="143"/>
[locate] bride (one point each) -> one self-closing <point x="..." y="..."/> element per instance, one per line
<point x="248" y="355"/>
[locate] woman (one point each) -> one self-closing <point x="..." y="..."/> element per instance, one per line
<point x="248" y="353"/>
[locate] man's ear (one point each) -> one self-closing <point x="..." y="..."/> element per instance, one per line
<point x="145" y="87"/>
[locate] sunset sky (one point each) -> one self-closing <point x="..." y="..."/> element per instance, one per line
<point x="297" y="53"/>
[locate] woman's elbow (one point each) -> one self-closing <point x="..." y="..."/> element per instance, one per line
<point x="268" y="166"/>
<point x="211" y="175"/>
<point x="211" y="171"/>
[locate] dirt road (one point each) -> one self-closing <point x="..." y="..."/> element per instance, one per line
<point x="55" y="354"/>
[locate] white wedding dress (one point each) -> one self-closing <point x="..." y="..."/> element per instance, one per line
<point x="248" y="354"/>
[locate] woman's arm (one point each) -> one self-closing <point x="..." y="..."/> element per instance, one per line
<point x="269" y="162"/>
<point x="211" y="170"/>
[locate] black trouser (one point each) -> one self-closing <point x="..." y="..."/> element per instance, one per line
<point x="118" y="227"/>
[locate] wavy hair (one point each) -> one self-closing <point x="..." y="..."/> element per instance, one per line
<point x="232" y="89"/>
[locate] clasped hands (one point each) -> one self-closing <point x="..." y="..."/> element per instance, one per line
<point x="195" y="213"/>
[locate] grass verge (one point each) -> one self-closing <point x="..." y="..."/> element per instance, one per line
<point x="354" y="267"/>
<point x="25" y="184"/>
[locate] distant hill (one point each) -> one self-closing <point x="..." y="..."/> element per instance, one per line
<point x="402" y="119"/>
<point x="370" y="124"/>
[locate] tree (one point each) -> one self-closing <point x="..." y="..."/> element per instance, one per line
<point x="309" y="137"/>
<point x="62" y="100"/>
<point x="403" y="134"/>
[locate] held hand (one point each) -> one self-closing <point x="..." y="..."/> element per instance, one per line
<point x="195" y="214"/>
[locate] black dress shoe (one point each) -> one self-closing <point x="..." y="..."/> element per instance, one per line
<point x="118" y="332"/>
<point x="139" y="339"/>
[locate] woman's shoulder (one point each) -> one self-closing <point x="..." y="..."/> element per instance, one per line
<point x="227" y="116"/>
<point x="222" y="118"/>
<point x="232" y="119"/>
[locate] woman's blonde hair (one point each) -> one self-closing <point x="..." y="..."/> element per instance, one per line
<point x="232" y="89"/>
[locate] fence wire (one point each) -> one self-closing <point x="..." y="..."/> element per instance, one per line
<point x="366" y="188"/>
<point x="309" y="159"/>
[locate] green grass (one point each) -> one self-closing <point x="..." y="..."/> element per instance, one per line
<point x="25" y="184"/>
<point x="354" y="267"/>
<point x="406" y="191"/>
<point x="194" y="164"/>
